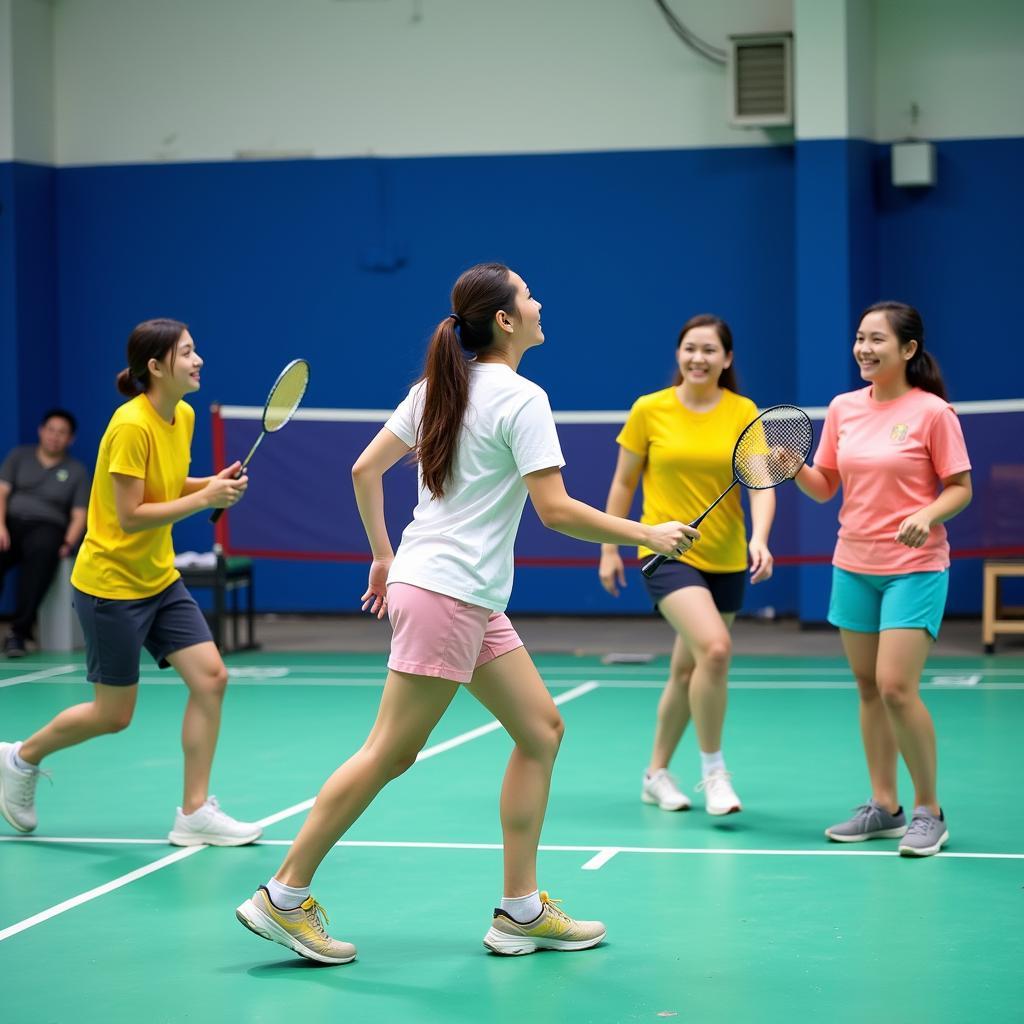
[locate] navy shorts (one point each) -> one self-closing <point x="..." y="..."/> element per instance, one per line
<point x="116" y="631"/>
<point x="726" y="587"/>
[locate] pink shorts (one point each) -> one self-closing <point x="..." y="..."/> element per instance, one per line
<point x="436" y="635"/>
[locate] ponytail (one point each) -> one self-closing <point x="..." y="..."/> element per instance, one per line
<point x="923" y="372"/>
<point x="444" y="406"/>
<point x="478" y="295"/>
<point x="127" y="384"/>
<point x="922" y="368"/>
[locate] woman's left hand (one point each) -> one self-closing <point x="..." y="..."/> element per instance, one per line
<point x="375" y="600"/>
<point x="761" y="562"/>
<point x="914" y="530"/>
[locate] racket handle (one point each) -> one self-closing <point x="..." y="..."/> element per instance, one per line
<point x="651" y="566"/>
<point x="218" y="512"/>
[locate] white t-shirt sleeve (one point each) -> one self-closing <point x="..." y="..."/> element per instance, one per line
<point x="404" y="420"/>
<point x="532" y="437"/>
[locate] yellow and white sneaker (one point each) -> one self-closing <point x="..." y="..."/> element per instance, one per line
<point x="301" y="929"/>
<point x="552" y="929"/>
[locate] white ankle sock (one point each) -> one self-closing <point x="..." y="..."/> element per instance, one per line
<point x="711" y="763"/>
<point x="284" y="897"/>
<point x="20" y="763"/>
<point x="522" y="908"/>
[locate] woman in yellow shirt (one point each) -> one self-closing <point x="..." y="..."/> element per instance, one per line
<point x="128" y="594"/>
<point x="679" y="443"/>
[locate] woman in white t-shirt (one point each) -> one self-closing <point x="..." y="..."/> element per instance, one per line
<point x="485" y="439"/>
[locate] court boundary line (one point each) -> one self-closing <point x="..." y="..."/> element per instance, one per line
<point x="937" y="683"/>
<point x="603" y="852"/>
<point x="99" y="890"/>
<point x="40" y="675"/>
<point x="180" y="854"/>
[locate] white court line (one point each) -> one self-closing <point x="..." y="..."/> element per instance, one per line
<point x="100" y="890"/>
<point x="43" y="673"/>
<point x="438" y="748"/>
<point x="552" y="680"/>
<point x="603" y="853"/>
<point x="292" y="675"/>
<point x="173" y="858"/>
<point x="599" y="860"/>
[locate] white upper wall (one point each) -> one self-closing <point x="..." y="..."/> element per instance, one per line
<point x="143" y="80"/>
<point x="833" y="69"/>
<point x="31" y="78"/>
<point x="960" y="61"/>
<point x="6" y="84"/>
<point x="111" y="81"/>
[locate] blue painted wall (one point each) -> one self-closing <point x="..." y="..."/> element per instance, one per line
<point x="349" y="262"/>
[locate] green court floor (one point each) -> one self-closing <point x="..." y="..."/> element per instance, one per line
<point x="754" y="917"/>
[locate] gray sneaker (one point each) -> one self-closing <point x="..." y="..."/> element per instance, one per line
<point x="927" y="834"/>
<point x="869" y="821"/>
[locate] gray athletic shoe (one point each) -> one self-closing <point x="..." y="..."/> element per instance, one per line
<point x="870" y="821"/>
<point x="926" y="836"/>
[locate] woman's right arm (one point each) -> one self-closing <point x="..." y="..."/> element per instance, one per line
<point x="135" y="514"/>
<point x="564" y="514"/>
<point x="817" y="482"/>
<point x="628" y="470"/>
<point x="368" y="483"/>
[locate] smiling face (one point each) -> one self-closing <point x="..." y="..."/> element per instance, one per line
<point x="179" y="370"/>
<point x="701" y="356"/>
<point x="880" y="355"/>
<point x="524" y="328"/>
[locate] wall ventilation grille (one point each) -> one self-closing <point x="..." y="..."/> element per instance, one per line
<point x="761" y="80"/>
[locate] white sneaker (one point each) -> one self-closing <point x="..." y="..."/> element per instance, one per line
<point x="17" y="791"/>
<point x="661" y="789"/>
<point x="719" y="796"/>
<point x="210" y="826"/>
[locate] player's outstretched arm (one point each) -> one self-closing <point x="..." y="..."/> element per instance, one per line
<point x="560" y="512"/>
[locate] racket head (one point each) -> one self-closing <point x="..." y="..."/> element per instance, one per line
<point x="773" y="448"/>
<point x="285" y="395"/>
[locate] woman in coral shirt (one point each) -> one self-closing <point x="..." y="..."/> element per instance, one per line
<point x="897" y="450"/>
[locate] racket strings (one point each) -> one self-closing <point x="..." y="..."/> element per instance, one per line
<point x="286" y="395"/>
<point x="773" y="448"/>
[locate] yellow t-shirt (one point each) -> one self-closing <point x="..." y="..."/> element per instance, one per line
<point x="138" y="442"/>
<point x="688" y="463"/>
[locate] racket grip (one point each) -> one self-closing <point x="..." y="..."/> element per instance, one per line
<point x="218" y="512"/>
<point x="651" y="566"/>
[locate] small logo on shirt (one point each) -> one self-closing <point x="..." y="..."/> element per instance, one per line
<point x="62" y="474"/>
<point x="899" y="433"/>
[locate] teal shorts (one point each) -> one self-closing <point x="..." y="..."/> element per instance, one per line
<point x="868" y="604"/>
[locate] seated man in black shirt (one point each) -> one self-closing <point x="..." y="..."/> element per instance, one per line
<point x="44" y="495"/>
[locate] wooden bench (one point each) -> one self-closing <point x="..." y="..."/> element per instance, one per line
<point x="995" y="616"/>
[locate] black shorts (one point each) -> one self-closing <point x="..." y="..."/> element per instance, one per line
<point x="726" y="587"/>
<point x="116" y="631"/>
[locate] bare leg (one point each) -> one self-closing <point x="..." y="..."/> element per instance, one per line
<point x="513" y="691"/>
<point x="410" y="707"/>
<point x="202" y="668"/>
<point x="109" y="711"/>
<point x="673" y="707"/>
<point x="902" y="654"/>
<point x="692" y="614"/>
<point x="876" y="732"/>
